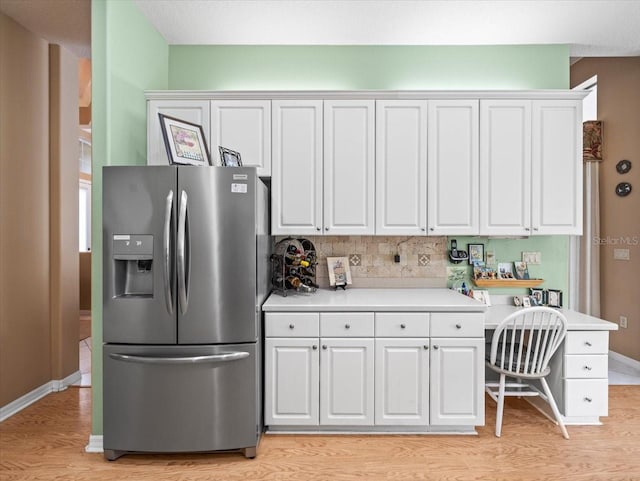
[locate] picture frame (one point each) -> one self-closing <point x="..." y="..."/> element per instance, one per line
<point x="339" y="272"/>
<point x="538" y="296"/>
<point x="517" y="301"/>
<point x="505" y="270"/>
<point x="526" y="302"/>
<point x="184" y="141"/>
<point x="521" y="271"/>
<point x="229" y="158"/>
<point x="476" y="253"/>
<point x="482" y="295"/>
<point x="554" y="297"/>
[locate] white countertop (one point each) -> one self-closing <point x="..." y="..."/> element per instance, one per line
<point x="378" y="300"/>
<point x="576" y="320"/>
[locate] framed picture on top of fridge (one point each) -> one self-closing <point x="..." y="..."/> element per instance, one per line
<point x="184" y="141"/>
<point x="229" y="158"/>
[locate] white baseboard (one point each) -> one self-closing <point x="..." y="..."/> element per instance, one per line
<point x="38" y="393"/>
<point x="624" y="360"/>
<point x="95" y="444"/>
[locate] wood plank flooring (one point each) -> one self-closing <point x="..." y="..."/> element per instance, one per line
<point x="46" y="442"/>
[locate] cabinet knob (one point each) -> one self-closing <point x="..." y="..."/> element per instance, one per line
<point x="291" y="326"/>
<point x="588" y="399"/>
<point x="402" y="326"/>
<point x="587" y="343"/>
<point x="535" y="228"/>
<point x="324" y="346"/>
<point x="435" y="347"/>
<point x="527" y="229"/>
<point x="347" y="326"/>
<point x="432" y="229"/>
<point x="326" y="228"/>
<point x="426" y="348"/>
<point x="588" y="368"/>
<point x="314" y="347"/>
<point x="318" y="229"/>
<point x="422" y="229"/>
<point x="458" y="326"/>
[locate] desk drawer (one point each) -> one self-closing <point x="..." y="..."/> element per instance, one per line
<point x="586" y="397"/>
<point x="291" y="324"/>
<point x="587" y="342"/>
<point x="457" y="324"/>
<point x="402" y="324"/>
<point x="586" y="366"/>
<point x="346" y="324"/>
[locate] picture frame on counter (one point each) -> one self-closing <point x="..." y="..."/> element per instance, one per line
<point x="482" y="295"/>
<point x="476" y="253"/>
<point x="229" y="158"/>
<point x="185" y="141"/>
<point x="526" y="302"/>
<point x="339" y="271"/>
<point x="554" y="297"/>
<point x="538" y="296"/>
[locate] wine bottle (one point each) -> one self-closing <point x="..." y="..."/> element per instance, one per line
<point x="293" y="282"/>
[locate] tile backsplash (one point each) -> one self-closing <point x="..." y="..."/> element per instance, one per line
<point x="423" y="260"/>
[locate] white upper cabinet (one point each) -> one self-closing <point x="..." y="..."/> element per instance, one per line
<point x="452" y="179"/>
<point x="194" y="111"/>
<point x="296" y="185"/>
<point x="349" y="167"/>
<point x="557" y="167"/>
<point x="505" y="167"/>
<point x="243" y="126"/>
<point x="401" y="167"/>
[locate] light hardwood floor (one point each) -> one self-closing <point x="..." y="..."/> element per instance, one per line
<point x="46" y="442"/>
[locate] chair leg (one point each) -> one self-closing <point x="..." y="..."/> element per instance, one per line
<point x="500" y="407"/>
<point x="554" y="408"/>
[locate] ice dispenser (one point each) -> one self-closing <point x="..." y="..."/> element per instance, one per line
<point x="133" y="265"/>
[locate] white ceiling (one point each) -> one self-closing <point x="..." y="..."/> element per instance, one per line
<point x="589" y="27"/>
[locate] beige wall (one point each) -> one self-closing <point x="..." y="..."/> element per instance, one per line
<point x="85" y="281"/>
<point x="25" y="334"/>
<point x="63" y="160"/>
<point x="619" y="109"/>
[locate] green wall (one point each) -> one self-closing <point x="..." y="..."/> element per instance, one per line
<point x="128" y="57"/>
<point x="205" y="67"/>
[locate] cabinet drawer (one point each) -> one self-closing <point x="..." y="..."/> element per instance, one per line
<point x="586" y="366"/>
<point x="402" y="324"/>
<point x="587" y="342"/>
<point x="346" y="324"/>
<point x="586" y="397"/>
<point x="460" y="324"/>
<point x="291" y="324"/>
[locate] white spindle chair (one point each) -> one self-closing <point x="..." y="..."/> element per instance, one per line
<point x="521" y="348"/>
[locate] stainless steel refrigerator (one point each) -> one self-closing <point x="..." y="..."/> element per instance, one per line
<point x="186" y="266"/>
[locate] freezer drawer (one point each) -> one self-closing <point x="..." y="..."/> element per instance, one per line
<point x="181" y="398"/>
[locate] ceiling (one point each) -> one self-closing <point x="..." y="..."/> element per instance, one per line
<point x="589" y="27"/>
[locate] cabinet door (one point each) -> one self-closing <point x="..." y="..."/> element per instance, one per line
<point x="452" y="179"/>
<point x="401" y="167"/>
<point x="457" y="382"/>
<point x="296" y="186"/>
<point x="346" y="380"/>
<point x="243" y="126"/>
<point x="291" y="390"/>
<point x="557" y="167"/>
<point x="349" y="167"/>
<point x="505" y="167"/>
<point x="402" y="381"/>
<point x="194" y="111"/>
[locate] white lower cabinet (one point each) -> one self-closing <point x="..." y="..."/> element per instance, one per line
<point x="402" y="382"/>
<point x="457" y="380"/>
<point x="342" y="374"/>
<point x="346" y="382"/>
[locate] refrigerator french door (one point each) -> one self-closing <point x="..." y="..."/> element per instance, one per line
<point x="185" y="273"/>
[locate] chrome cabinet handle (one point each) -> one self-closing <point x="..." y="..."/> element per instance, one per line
<point x="535" y="228"/>
<point x="423" y="229"/>
<point x="435" y="347"/>
<point x="324" y="346"/>
<point x="458" y="326"/>
<point x="403" y="326"/>
<point x="587" y="343"/>
<point x="432" y="229"/>
<point x="588" y="399"/>
<point x="326" y="228"/>
<point x="527" y="229"/>
<point x="318" y="229"/>
<point x="291" y="326"/>
<point x="588" y="368"/>
<point x="426" y="348"/>
<point x="314" y="347"/>
<point x="347" y="326"/>
<point x="168" y="296"/>
<point x="182" y="271"/>
<point x="224" y="357"/>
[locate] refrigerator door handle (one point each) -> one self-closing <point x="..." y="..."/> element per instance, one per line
<point x="215" y="358"/>
<point x="168" y="296"/>
<point x="183" y="299"/>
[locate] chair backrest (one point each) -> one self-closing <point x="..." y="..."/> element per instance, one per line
<point x="525" y="341"/>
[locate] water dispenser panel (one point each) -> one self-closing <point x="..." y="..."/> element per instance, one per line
<point x="131" y="246"/>
<point x="133" y="266"/>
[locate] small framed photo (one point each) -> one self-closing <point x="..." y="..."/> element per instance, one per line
<point x="229" y="158"/>
<point x="554" y="298"/>
<point x="490" y="258"/>
<point x="476" y="253"/>
<point x="538" y="297"/>
<point x="482" y="295"/>
<point x="505" y="270"/>
<point x="526" y="302"/>
<point x="517" y="301"/>
<point x="184" y="141"/>
<point x="339" y="272"/>
<point x="521" y="270"/>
